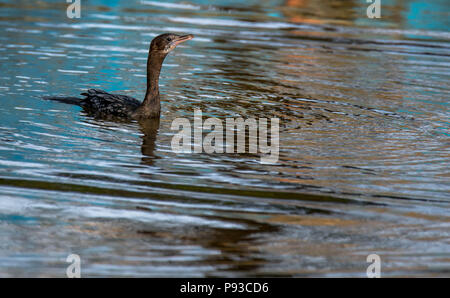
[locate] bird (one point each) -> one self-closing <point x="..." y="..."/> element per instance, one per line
<point x="101" y="104"/>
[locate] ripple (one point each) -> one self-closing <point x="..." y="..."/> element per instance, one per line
<point x="171" y="5"/>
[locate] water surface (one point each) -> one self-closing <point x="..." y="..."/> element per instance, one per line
<point x="364" y="140"/>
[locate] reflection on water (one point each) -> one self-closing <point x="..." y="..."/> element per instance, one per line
<point x="364" y="140"/>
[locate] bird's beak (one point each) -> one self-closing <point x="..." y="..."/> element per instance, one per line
<point x="182" y="38"/>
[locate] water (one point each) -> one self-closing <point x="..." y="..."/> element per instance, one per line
<point x="364" y="150"/>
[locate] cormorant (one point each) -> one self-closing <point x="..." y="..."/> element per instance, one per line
<point x="102" y="104"/>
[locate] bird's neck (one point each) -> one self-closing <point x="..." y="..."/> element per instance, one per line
<point x="151" y="104"/>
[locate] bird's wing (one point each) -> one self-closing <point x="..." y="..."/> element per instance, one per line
<point x="102" y="102"/>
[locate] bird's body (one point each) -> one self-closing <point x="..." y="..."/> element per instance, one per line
<point x="101" y="104"/>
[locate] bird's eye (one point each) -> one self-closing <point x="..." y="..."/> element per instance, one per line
<point x="169" y="39"/>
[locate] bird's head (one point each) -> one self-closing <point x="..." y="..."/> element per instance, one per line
<point x="166" y="42"/>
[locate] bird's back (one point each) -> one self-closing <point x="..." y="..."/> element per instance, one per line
<point x="100" y="103"/>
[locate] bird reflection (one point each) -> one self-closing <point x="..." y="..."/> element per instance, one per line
<point x="149" y="128"/>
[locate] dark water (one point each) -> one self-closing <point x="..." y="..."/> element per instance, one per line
<point x="364" y="140"/>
